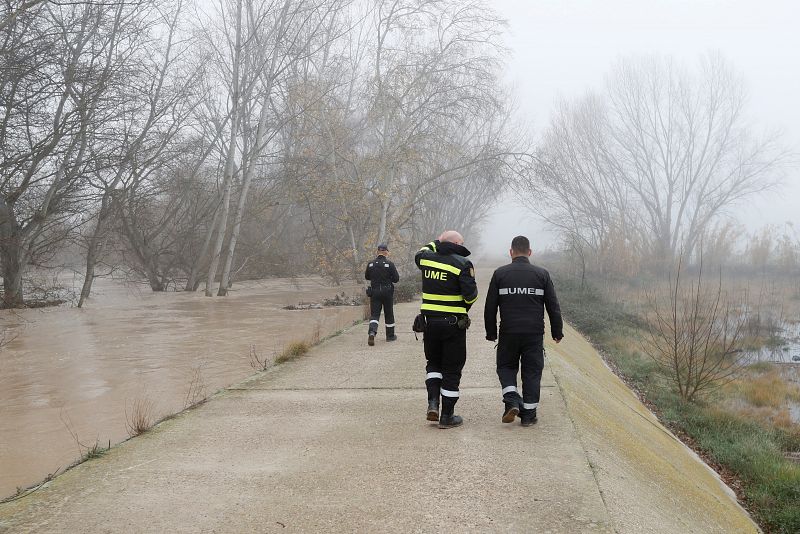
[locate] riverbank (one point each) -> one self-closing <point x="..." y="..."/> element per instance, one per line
<point x="745" y="429"/>
<point x="336" y="441"/>
<point x="73" y="380"/>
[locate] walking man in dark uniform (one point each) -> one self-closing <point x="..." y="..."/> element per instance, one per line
<point x="448" y="292"/>
<point x="522" y="291"/>
<point x="382" y="275"/>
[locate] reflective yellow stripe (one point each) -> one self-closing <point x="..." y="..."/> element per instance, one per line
<point x="472" y="300"/>
<point x="440" y="266"/>
<point x="437" y="307"/>
<point x="432" y="244"/>
<point x="448" y="298"/>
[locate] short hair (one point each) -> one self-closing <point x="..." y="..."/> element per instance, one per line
<point x="520" y="244"/>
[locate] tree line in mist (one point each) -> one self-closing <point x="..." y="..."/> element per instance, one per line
<point x="654" y="167"/>
<point x="189" y="144"/>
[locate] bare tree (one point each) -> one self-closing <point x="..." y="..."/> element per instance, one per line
<point x="694" y="333"/>
<point x="657" y="158"/>
<point x="411" y="134"/>
<point x="179" y="155"/>
<point x="270" y="39"/>
<point x="60" y="64"/>
<point x="153" y="108"/>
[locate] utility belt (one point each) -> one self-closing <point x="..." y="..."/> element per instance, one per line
<point x="421" y="322"/>
<point x="378" y="289"/>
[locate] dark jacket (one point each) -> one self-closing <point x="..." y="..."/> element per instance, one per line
<point x="448" y="279"/>
<point x="381" y="273"/>
<point x="521" y="291"/>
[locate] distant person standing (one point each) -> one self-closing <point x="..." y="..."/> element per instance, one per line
<point x="382" y="275"/>
<point x="522" y="291"/>
<point x="448" y="292"/>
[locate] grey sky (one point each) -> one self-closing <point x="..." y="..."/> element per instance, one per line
<point x="561" y="48"/>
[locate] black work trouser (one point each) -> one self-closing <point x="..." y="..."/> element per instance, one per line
<point x="382" y="297"/>
<point x="446" y="352"/>
<point x="529" y="350"/>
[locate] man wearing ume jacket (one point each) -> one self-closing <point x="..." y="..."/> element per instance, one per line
<point x="522" y="291"/>
<point x="448" y="292"/>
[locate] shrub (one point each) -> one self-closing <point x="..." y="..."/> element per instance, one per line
<point x="140" y="418"/>
<point x="292" y="352"/>
<point x="408" y="288"/>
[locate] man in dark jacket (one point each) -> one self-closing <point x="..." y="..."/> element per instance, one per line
<point x="522" y="292"/>
<point x="382" y="275"/>
<point x="448" y="292"/>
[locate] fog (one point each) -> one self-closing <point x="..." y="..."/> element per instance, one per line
<point x="560" y="49"/>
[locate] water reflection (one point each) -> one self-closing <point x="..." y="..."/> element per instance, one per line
<point x="787" y="351"/>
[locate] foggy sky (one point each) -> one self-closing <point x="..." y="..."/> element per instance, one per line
<point x="562" y="48"/>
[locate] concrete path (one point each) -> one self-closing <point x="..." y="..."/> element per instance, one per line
<point x="337" y="442"/>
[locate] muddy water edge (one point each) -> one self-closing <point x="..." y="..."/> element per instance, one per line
<point x="71" y="378"/>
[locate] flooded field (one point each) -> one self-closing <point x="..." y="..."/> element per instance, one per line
<point x="69" y="376"/>
<point x="787" y="351"/>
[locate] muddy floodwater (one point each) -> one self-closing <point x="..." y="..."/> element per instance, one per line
<point x="70" y="375"/>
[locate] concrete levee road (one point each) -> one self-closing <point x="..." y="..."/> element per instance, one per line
<point x="337" y="442"/>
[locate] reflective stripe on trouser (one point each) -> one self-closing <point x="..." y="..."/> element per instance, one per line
<point x="383" y="300"/>
<point x="527" y="349"/>
<point x="446" y="353"/>
<point x="433" y="383"/>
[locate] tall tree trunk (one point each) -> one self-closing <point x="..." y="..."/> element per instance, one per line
<point x="230" y="158"/>
<point x="193" y="282"/>
<point x="356" y="256"/>
<point x="93" y="247"/>
<point x="12" y="278"/>
<point x="153" y="278"/>
<point x="248" y="170"/>
<point x="225" y="280"/>
<point x="221" y="230"/>
<point x="91" y="261"/>
<point x="383" y="222"/>
<point x="11" y="252"/>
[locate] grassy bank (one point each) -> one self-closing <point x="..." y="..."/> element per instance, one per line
<point x="750" y="452"/>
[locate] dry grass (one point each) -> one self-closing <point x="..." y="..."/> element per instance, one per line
<point x="140" y="418"/>
<point x="292" y="351"/>
<point x="765" y="390"/>
<point x="196" y="393"/>
<point x="763" y="394"/>
<point x="783" y="419"/>
<point x="316" y="333"/>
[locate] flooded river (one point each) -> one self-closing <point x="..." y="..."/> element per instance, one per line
<point x="75" y="372"/>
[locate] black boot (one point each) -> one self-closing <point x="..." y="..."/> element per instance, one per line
<point x="433" y="410"/>
<point x="511" y="412"/>
<point x="391" y="338"/>
<point x="371" y="340"/>
<point x="450" y="421"/>
<point x="513" y="405"/>
<point x="447" y="419"/>
<point x="390" y="334"/>
<point x="528" y="417"/>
